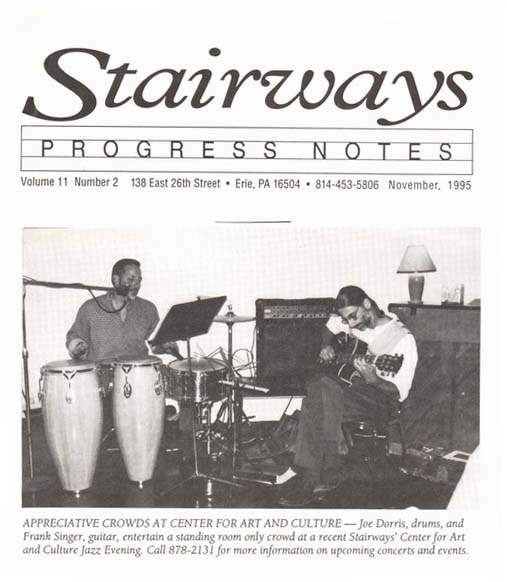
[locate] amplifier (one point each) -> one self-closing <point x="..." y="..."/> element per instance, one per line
<point x="296" y="311"/>
<point x="289" y="334"/>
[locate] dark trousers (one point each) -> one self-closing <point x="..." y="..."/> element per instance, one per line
<point x="320" y="443"/>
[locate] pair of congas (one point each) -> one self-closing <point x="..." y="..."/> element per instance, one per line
<point x="72" y="410"/>
<point x="71" y="395"/>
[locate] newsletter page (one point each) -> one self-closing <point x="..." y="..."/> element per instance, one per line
<point x="253" y="288"/>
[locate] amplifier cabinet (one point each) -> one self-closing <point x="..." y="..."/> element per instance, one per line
<point x="289" y="333"/>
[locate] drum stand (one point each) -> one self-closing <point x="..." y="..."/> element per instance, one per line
<point x="227" y="407"/>
<point x="202" y="411"/>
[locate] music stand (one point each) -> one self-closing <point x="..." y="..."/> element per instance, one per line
<point x="187" y="320"/>
<point x="183" y="322"/>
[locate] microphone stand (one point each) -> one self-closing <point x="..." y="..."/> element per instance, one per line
<point x="30" y="484"/>
<point x="57" y="285"/>
<point x="34" y="484"/>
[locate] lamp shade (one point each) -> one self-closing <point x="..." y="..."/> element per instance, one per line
<point x="416" y="260"/>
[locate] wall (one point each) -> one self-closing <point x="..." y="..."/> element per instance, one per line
<point x="244" y="262"/>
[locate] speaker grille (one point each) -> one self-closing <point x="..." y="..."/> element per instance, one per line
<point x="289" y="333"/>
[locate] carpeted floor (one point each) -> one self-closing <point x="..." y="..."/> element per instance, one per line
<point x="372" y="481"/>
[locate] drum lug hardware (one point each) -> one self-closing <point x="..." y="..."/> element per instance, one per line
<point x="127" y="388"/>
<point x="158" y="384"/>
<point x="105" y="390"/>
<point x="105" y="384"/>
<point x="42" y="391"/>
<point x="69" y="374"/>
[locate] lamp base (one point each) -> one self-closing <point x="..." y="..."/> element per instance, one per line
<point x="415" y="288"/>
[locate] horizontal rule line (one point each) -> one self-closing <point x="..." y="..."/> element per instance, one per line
<point x="253" y="221"/>
<point x="257" y="127"/>
<point x="243" y="172"/>
<point x="235" y="160"/>
<point x="88" y="139"/>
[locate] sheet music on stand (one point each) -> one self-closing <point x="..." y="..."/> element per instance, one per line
<point x="186" y="320"/>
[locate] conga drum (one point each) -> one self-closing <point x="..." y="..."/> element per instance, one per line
<point x="72" y="417"/>
<point x="138" y="413"/>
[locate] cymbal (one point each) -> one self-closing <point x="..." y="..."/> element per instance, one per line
<point x="232" y="318"/>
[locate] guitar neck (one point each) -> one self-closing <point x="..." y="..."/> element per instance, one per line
<point x="349" y="358"/>
<point x="385" y="364"/>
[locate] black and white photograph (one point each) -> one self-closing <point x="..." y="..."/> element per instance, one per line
<point x="253" y="290"/>
<point x="250" y="366"/>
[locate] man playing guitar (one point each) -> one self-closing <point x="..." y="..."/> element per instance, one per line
<point x="365" y="394"/>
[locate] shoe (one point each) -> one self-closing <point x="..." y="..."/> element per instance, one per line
<point x="322" y="489"/>
<point x="297" y="493"/>
<point x="284" y="477"/>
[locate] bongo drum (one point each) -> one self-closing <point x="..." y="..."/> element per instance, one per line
<point x="72" y="417"/>
<point x="200" y="384"/>
<point x="138" y="413"/>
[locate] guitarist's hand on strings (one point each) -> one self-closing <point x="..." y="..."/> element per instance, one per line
<point x="327" y="355"/>
<point x="367" y="371"/>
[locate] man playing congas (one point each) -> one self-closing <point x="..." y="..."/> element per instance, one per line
<point x="113" y="330"/>
<point x="117" y="323"/>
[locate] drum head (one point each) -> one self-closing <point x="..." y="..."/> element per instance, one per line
<point x="132" y="361"/>
<point x="78" y="365"/>
<point x="198" y="365"/>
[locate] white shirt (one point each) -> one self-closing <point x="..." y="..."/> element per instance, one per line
<point x="406" y="347"/>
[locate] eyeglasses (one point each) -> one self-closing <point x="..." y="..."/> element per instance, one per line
<point x="351" y="316"/>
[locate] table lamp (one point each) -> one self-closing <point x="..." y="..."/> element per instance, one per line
<point x="416" y="261"/>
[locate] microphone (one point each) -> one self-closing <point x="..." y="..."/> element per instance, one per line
<point x="245" y="386"/>
<point x="122" y="290"/>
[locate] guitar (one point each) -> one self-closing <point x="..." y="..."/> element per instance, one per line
<point x="348" y="348"/>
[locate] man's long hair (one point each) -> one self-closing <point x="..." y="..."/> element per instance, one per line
<point x="352" y="295"/>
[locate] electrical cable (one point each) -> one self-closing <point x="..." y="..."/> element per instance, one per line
<point x="248" y="365"/>
<point x="31" y="281"/>
<point x="103" y="308"/>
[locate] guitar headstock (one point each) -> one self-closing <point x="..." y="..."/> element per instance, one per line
<point x="389" y="365"/>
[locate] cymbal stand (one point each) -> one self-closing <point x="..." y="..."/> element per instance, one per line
<point x="227" y="407"/>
